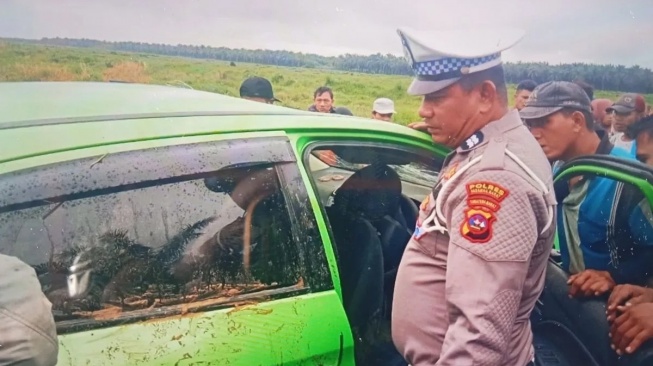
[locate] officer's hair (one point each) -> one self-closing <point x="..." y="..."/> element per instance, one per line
<point x="589" y="119"/>
<point x="644" y="125"/>
<point x="494" y="74"/>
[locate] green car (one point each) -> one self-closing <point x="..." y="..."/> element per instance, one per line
<point x="170" y="226"/>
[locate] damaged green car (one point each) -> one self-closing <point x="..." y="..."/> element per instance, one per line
<point x="173" y="227"/>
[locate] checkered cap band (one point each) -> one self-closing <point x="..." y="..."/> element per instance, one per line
<point x="450" y="64"/>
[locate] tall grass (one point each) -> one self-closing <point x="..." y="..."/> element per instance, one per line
<point x="293" y="86"/>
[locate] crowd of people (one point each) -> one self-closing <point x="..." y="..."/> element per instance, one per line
<point x="604" y="227"/>
<point x="259" y="89"/>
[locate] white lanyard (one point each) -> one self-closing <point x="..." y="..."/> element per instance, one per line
<point x="437" y="217"/>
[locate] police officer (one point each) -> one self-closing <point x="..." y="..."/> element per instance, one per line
<point x="474" y="267"/>
<point x="28" y="335"/>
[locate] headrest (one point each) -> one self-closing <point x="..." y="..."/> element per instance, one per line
<point x="373" y="192"/>
<point x="244" y="185"/>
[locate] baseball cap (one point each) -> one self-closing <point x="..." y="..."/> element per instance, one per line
<point x="383" y="106"/>
<point x="257" y="87"/>
<point x="552" y="96"/>
<point x="440" y="58"/>
<point x="628" y="102"/>
<point x="343" y="110"/>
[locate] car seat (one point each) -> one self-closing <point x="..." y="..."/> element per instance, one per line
<point x="379" y="201"/>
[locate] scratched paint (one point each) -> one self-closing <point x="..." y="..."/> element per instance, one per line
<point x="304" y="330"/>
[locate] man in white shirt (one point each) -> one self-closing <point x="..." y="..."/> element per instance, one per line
<point x="628" y="109"/>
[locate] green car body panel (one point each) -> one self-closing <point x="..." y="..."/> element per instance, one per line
<point x="46" y="123"/>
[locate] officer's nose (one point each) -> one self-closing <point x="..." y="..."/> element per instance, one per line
<point x="424" y="111"/>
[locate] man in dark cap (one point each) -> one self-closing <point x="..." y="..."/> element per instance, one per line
<point x="257" y="89"/>
<point x="628" y="109"/>
<point x="603" y="232"/>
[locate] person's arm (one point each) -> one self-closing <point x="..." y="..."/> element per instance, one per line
<point x="487" y="267"/>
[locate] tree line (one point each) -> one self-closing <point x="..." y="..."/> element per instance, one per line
<point x="604" y="77"/>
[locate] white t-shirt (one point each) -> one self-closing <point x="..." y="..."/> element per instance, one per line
<point x="618" y="140"/>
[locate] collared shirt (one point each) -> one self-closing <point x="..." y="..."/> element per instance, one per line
<point x="463" y="297"/>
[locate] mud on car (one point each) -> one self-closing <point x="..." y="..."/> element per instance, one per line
<point x="173" y="226"/>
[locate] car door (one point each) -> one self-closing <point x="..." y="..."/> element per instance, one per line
<point x="195" y="253"/>
<point x="630" y="172"/>
<point x="365" y="249"/>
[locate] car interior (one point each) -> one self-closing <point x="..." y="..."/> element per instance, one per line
<point x="372" y="213"/>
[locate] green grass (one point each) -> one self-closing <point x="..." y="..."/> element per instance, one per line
<point x="294" y="86"/>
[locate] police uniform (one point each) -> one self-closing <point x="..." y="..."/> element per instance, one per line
<point x="474" y="268"/>
<point x="28" y="335"/>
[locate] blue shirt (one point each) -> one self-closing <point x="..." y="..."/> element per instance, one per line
<point x="614" y="232"/>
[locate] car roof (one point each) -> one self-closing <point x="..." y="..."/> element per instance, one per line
<point x="42" y="117"/>
<point x="29" y="101"/>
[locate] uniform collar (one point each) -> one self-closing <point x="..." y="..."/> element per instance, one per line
<point x="493" y="129"/>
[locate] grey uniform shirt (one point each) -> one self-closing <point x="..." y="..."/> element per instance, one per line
<point x="464" y="297"/>
<point x="28" y="335"/>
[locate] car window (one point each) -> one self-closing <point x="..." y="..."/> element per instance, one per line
<point x="165" y="243"/>
<point x="417" y="172"/>
<point x="417" y="169"/>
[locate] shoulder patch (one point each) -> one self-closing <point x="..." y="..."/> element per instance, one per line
<point x="483" y="202"/>
<point x="472" y="141"/>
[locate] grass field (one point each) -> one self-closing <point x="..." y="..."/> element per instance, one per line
<point x="294" y="86"/>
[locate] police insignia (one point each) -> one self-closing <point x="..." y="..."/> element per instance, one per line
<point x="425" y="203"/>
<point x="473" y="141"/>
<point x="483" y="202"/>
<point x="418" y="233"/>
<point x="450" y="172"/>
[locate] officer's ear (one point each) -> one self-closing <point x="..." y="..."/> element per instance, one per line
<point x="487" y="95"/>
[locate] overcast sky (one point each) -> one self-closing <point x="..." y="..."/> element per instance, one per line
<point x="597" y="31"/>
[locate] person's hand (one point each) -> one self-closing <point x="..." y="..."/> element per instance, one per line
<point x="590" y="283"/>
<point x="627" y="295"/>
<point x="419" y="126"/>
<point x="632" y="328"/>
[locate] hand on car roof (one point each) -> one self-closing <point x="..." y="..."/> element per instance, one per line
<point x="419" y="126"/>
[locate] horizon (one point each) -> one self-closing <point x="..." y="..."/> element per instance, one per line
<point x="306" y="53"/>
